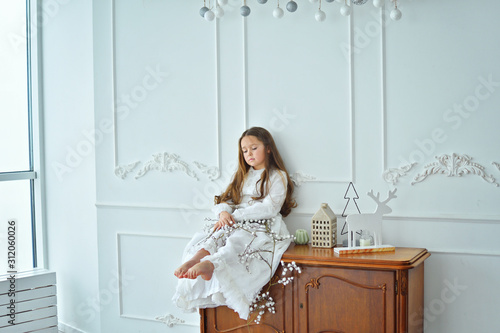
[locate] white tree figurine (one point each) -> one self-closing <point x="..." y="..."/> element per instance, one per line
<point x="372" y="222"/>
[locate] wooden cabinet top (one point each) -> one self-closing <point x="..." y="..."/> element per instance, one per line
<point x="401" y="258"/>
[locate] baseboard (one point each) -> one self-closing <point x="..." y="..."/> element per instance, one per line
<point x="65" y="328"/>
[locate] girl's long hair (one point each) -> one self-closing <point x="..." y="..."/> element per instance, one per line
<point x="273" y="161"/>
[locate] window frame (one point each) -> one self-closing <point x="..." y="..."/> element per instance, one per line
<point x="35" y="132"/>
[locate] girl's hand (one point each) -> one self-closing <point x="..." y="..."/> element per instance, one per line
<point x="224" y="219"/>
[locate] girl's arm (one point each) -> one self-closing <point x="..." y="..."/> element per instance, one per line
<point x="222" y="207"/>
<point x="270" y="206"/>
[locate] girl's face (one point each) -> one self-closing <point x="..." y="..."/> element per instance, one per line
<point x="254" y="152"/>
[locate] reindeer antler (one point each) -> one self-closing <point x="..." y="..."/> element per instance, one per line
<point x="392" y="195"/>
<point x="375" y="198"/>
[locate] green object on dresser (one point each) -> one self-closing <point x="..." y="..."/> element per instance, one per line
<point x="301" y="237"/>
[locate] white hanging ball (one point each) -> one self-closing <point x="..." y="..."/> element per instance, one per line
<point x="245" y="11"/>
<point x="341" y="1"/>
<point x="209" y="15"/>
<point x="219" y="12"/>
<point x="222" y="2"/>
<point x="313" y="1"/>
<point x="378" y="3"/>
<point x="291" y="6"/>
<point x="345" y="10"/>
<point x="320" y="15"/>
<point x="278" y="12"/>
<point x="396" y="14"/>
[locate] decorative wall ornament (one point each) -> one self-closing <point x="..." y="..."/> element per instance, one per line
<point x="213" y="8"/>
<point x="166" y="162"/>
<point x="454" y="165"/>
<point x="212" y="172"/>
<point x="392" y="175"/>
<point x="170" y="320"/>
<point x="497" y="165"/>
<point x="123" y="170"/>
<point x="298" y="178"/>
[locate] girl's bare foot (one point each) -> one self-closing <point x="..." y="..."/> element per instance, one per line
<point x="184" y="268"/>
<point x="205" y="269"/>
<point x="181" y="272"/>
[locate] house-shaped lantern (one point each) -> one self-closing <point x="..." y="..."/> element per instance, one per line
<point x="324" y="227"/>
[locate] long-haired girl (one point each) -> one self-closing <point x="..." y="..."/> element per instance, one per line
<point x="231" y="262"/>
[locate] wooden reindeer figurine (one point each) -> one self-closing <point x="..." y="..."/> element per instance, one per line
<point x="372" y="221"/>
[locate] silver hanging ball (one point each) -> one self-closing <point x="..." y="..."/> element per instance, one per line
<point x="245" y="11"/>
<point x="291" y="6"/>
<point x="329" y="0"/>
<point x="203" y="10"/>
<point x="359" y="2"/>
<point x="262" y="1"/>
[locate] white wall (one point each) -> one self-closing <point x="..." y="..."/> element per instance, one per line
<point x="174" y="83"/>
<point x="68" y="115"/>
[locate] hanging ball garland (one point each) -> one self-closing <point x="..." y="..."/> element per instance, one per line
<point x="245" y="10"/>
<point x="291" y="6"/>
<point x="320" y="15"/>
<point x="203" y="10"/>
<point x="278" y="12"/>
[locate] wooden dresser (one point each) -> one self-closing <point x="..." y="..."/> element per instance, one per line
<point x="358" y="293"/>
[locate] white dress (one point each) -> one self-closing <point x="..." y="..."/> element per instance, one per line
<point x="238" y="278"/>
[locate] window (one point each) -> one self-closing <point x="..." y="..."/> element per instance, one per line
<point x="19" y="152"/>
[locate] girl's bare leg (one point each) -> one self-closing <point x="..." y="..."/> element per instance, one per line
<point x="185" y="267"/>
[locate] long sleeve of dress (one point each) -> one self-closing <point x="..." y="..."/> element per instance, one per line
<point x="269" y="206"/>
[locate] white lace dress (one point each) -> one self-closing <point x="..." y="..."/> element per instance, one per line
<point x="239" y="275"/>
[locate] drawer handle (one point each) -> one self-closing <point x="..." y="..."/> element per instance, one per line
<point x="301" y="305"/>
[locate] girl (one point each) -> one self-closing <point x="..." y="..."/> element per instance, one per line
<point x="230" y="263"/>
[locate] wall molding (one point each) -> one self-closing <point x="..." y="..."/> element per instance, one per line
<point x="173" y="320"/>
<point x="122" y="170"/>
<point x="469" y="253"/>
<point x="310" y="179"/>
<point x="403" y="218"/>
